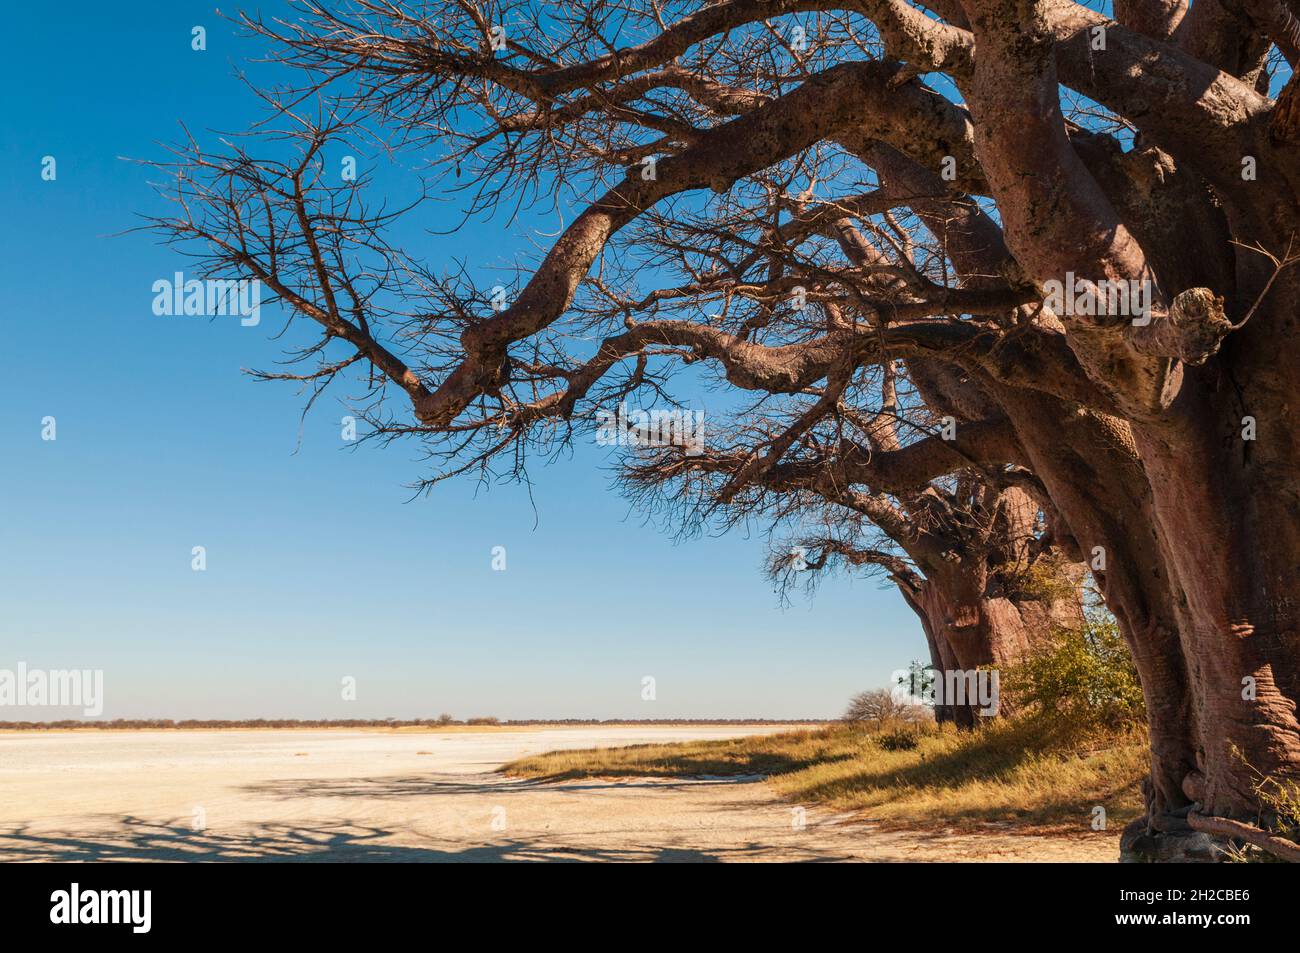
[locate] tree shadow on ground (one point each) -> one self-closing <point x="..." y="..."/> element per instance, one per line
<point x="424" y="785"/>
<point x="135" y="839"/>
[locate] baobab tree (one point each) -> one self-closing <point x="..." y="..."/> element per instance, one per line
<point x="1114" y="207"/>
<point x="981" y="558"/>
<point x="977" y="551"/>
<point x="987" y="573"/>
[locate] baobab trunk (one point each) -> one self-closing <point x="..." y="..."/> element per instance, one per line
<point x="983" y="633"/>
<point x="1227" y="517"/>
<point x="942" y="659"/>
<point x="1091" y="471"/>
<point x="977" y="617"/>
<point x="1089" y="466"/>
<point x="1209" y="358"/>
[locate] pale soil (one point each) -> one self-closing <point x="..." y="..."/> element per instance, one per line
<point x="347" y="795"/>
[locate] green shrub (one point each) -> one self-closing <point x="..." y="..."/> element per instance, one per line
<point x="1048" y="579"/>
<point x="1084" y="675"/>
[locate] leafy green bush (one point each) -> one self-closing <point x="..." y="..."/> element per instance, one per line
<point x="1084" y="675"/>
<point x="1047" y="579"/>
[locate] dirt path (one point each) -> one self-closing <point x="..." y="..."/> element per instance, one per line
<point x="422" y="796"/>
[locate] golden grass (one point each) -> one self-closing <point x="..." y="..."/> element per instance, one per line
<point x="1025" y="772"/>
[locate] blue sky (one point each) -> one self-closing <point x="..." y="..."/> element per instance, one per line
<point x="320" y="565"/>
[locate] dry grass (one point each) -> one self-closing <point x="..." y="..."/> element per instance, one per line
<point x="1026" y="772"/>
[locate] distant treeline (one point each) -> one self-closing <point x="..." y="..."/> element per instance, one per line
<point x="443" y="722"/>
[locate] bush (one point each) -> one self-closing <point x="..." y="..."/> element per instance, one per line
<point x="900" y="738"/>
<point x="1084" y="675"/>
<point x="879" y="704"/>
<point x="1048" y="579"/>
<point x="483" y="721"/>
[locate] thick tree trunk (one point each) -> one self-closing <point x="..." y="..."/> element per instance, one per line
<point x="1092" y="474"/>
<point x="942" y="659"/>
<point x="1223" y="513"/>
<point x="1089" y="465"/>
<point x="973" y="620"/>
<point x="1227" y="517"/>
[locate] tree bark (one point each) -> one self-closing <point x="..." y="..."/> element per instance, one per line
<point x="1223" y="529"/>
<point x="1227" y="519"/>
<point x="976" y="617"/>
<point x="1089" y="465"/>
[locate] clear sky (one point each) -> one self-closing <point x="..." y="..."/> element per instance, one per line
<point x="320" y="565"/>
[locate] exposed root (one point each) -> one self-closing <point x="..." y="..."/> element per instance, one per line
<point x="1279" y="847"/>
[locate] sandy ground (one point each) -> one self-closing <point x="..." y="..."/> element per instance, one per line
<point x="342" y="795"/>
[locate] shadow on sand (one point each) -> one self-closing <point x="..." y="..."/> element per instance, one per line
<point x="429" y="785"/>
<point x="135" y="839"/>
